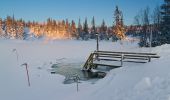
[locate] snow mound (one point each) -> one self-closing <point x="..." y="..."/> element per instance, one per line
<point x="143" y="85"/>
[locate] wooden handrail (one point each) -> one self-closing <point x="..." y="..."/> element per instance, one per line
<point x="125" y="53"/>
<point x="119" y="56"/>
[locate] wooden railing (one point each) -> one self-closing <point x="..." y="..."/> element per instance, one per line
<point x="117" y="56"/>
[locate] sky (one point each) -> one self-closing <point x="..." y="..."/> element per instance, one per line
<point x="40" y="10"/>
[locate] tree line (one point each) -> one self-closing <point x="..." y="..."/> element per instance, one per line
<point x="153" y="29"/>
<point x="12" y="28"/>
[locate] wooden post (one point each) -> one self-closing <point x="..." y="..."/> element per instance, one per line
<point x="77" y="86"/>
<point x="122" y="57"/>
<point x="97" y="45"/>
<point x="149" y="58"/>
<point x="76" y="79"/>
<point x="150" y="43"/>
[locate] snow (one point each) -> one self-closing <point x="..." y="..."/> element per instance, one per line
<point x="150" y="81"/>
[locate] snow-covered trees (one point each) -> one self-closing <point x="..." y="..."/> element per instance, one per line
<point x="1" y="28"/>
<point x="93" y="29"/>
<point x="53" y="29"/>
<point x="103" y="31"/>
<point x="158" y="25"/>
<point x="148" y="27"/>
<point x="79" y="29"/>
<point x="145" y="19"/>
<point x="12" y="28"/>
<point x="165" y="24"/>
<point x="85" y="35"/>
<point x="118" y="28"/>
<point x="73" y="29"/>
<point x="156" y="29"/>
<point x="20" y="29"/>
<point x="85" y="27"/>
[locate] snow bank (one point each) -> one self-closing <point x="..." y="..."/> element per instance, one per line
<point x="149" y="81"/>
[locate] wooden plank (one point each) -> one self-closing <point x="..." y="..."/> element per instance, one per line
<point x="107" y="54"/>
<point x="140" y="58"/>
<point x="106" y="59"/>
<point x="135" y="58"/>
<point x="125" y="53"/>
<point x="124" y="60"/>
<point x="115" y="66"/>
<point x="135" y="61"/>
<point x="88" y="61"/>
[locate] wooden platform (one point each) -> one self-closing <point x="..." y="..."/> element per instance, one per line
<point x="132" y="57"/>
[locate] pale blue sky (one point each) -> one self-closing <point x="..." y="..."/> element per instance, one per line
<point x="40" y="10"/>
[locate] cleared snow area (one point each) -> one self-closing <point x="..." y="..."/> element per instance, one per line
<point x="150" y="81"/>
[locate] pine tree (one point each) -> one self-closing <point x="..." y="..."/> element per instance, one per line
<point x="103" y="30"/>
<point x="144" y="38"/>
<point x="64" y="29"/>
<point x="67" y="26"/>
<point x="93" y="29"/>
<point x="85" y="27"/>
<point x="79" y="29"/>
<point x="85" y="30"/>
<point x="8" y="29"/>
<point x="20" y="29"/>
<point x="165" y="25"/>
<point x="119" y="29"/>
<point x="13" y="29"/>
<point x="73" y="29"/>
<point x="156" y="26"/>
<point x="93" y="25"/>
<point x="103" y="27"/>
<point x="1" y="28"/>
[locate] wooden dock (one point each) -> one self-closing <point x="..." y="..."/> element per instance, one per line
<point x="121" y="57"/>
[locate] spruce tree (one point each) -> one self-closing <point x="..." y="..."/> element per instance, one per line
<point x="1" y="28"/>
<point x="20" y="29"/>
<point x="73" y="29"/>
<point x="85" y="30"/>
<point x="165" y="25"/>
<point x="85" y="27"/>
<point x="103" y="30"/>
<point x="93" y="29"/>
<point x="67" y="28"/>
<point x="118" y="28"/>
<point x="79" y="29"/>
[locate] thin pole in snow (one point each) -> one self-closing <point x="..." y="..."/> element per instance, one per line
<point x="26" y="66"/>
<point x="15" y="50"/>
<point x="122" y="57"/>
<point x="97" y="45"/>
<point x="97" y="40"/>
<point x="151" y="38"/>
<point x="76" y="79"/>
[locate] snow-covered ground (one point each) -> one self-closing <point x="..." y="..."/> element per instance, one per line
<point x="150" y="81"/>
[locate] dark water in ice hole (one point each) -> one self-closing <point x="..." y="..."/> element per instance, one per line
<point x="72" y="69"/>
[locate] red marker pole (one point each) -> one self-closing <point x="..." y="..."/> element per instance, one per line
<point x="28" y="75"/>
<point x="26" y="66"/>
